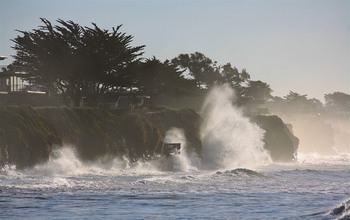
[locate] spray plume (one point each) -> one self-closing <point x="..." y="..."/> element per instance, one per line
<point x="229" y="139"/>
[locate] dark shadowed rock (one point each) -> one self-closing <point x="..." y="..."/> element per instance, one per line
<point x="279" y="140"/>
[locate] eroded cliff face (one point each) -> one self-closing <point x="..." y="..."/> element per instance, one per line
<point x="28" y="135"/>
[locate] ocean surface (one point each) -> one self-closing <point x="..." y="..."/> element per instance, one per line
<point x="314" y="187"/>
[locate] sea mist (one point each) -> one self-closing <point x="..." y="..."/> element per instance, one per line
<point x="229" y="139"/>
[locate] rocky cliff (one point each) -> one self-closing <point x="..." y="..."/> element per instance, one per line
<point x="279" y="139"/>
<point x="28" y="135"/>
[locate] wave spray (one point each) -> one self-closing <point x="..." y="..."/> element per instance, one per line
<point x="229" y="139"/>
<point x="180" y="162"/>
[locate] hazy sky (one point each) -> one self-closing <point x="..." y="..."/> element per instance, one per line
<point x="302" y="46"/>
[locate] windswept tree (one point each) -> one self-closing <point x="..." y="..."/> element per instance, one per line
<point x="79" y="61"/>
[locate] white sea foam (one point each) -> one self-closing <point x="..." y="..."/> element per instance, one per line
<point x="64" y="161"/>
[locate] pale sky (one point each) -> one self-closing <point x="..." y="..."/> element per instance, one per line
<point x="294" y="45"/>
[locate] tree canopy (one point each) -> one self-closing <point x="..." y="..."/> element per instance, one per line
<point x="199" y="67"/>
<point x="207" y="73"/>
<point x="76" y="60"/>
<point x="338" y="101"/>
<point x="233" y="77"/>
<point x="258" y="91"/>
<point x="154" y="77"/>
<point x="296" y="103"/>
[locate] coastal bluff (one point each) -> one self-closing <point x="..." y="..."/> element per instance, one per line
<point x="28" y="135"/>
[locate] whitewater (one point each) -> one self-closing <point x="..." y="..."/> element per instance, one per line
<point x="66" y="188"/>
<point x="233" y="178"/>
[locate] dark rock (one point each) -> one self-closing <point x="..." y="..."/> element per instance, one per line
<point x="279" y="139"/>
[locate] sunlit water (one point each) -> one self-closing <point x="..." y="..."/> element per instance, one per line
<point x="67" y="188"/>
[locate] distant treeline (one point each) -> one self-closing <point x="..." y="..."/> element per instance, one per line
<point x="88" y="62"/>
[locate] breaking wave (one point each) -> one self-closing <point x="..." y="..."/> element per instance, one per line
<point x="229" y="139"/>
<point x="64" y="161"/>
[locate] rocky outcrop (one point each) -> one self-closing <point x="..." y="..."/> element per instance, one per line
<point x="279" y="139"/>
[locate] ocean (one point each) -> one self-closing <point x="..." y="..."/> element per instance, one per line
<point x="314" y="187"/>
